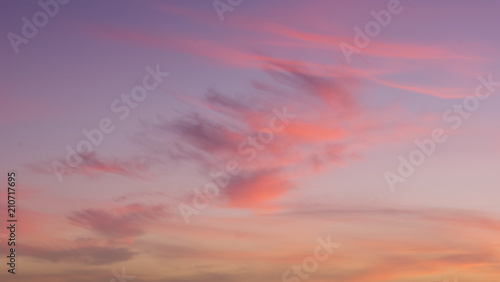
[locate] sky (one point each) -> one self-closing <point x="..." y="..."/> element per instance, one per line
<point x="238" y="140"/>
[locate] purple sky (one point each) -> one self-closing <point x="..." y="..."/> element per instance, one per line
<point x="324" y="171"/>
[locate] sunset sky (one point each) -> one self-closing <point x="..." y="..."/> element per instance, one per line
<point x="228" y="140"/>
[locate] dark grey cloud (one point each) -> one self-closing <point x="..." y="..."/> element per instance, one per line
<point x="131" y="221"/>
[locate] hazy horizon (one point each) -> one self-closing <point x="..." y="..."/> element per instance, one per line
<point x="238" y="140"/>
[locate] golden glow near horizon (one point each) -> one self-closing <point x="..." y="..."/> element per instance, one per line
<point x="234" y="140"/>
